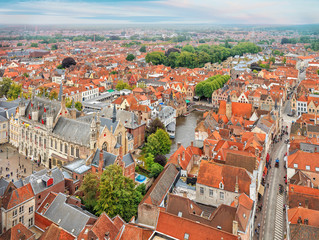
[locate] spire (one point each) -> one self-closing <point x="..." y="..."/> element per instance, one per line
<point x="114" y="114"/>
<point x="60" y="93"/>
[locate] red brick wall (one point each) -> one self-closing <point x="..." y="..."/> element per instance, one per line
<point x="130" y="172"/>
<point x="57" y="188"/>
<point x="138" y="135"/>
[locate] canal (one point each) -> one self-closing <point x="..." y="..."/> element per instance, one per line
<point x="185" y="130"/>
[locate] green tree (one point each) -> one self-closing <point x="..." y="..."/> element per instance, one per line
<point x="160" y="159"/>
<point x="78" y="106"/>
<point x="5" y="86"/>
<point x="156" y="169"/>
<point x="19" y="44"/>
<point x="34" y="45"/>
<point x="89" y="188"/>
<point x="26" y="75"/>
<point x="54" y="47"/>
<point x="68" y="102"/>
<point x="59" y="66"/>
<point x="188" y="48"/>
<point x="284" y="60"/>
<point x="158" y="143"/>
<point x="117" y="194"/>
<point x="155" y="58"/>
<point x="153" y="126"/>
<point x="149" y="161"/>
<point x="121" y="85"/>
<point x="130" y="57"/>
<point x="53" y="95"/>
<point x="143" y="49"/>
<point x="14" y="91"/>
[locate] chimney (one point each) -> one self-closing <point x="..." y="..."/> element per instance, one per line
<point x="236" y="201"/>
<point x="192" y="143"/>
<point x="183" y="156"/>
<point x="235" y="227"/>
<point x="178" y="159"/>
<point x="308" y="183"/>
<point x="306" y="203"/>
<point x="101" y="161"/>
<point x="292" y="189"/>
<point x="236" y="185"/>
<point x="179" y="145"/>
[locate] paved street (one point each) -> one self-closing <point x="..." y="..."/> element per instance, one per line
<point x="12" y="163"/>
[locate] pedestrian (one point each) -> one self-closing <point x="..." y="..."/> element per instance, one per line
<point x="258" y="225"/>
<point x="24" y="170"/>
<point x="11" y="174"/>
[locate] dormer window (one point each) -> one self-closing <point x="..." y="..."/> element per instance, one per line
<point x="221" y="185"/>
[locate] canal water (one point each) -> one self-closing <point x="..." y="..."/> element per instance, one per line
<point x="185" y="130"/>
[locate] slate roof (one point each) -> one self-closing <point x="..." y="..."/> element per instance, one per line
<point x="128" y="159"/>
<point x="36" y="178"/>
<point x="161" y="186"/>
<point x="109" y="158"/>
<point x="66" y="216"/>
<point x="73" y="130"/>
<point x="3" y="185"/>
<point x="128" y="119"/>
<point x="78" y="166"/>
<point x="42" y="103"/>
<point x="105" y="122"/>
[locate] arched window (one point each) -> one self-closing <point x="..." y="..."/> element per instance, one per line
<point x="66" y="148"/>
<point x="72" y="150"/>
<point x="56" y="144"/>
<point x="119" y="139"/>
<point x="77" y="151"/>
<point x="61" y="146"/>
<point x="104" y="146"/>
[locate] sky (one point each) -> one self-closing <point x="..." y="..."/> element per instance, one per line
<point x="287" y="12"/>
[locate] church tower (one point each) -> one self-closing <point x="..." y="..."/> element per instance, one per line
<point x="228" y="108"/>
<point x="93" y="134"/>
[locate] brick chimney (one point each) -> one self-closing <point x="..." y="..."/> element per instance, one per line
<point x="179" y="145"/>
<point x="179" y="159"/>
<point x="183" y="156"/>
<point x="236" y="201"/>
<point x="308" y="183"/>
<point x="192" y="143"/>
<point x="101" y="162"/>
<point x="306" y="203"/>
<point x="235" y="227"/>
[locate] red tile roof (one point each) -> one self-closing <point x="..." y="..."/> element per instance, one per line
<point x="177" y="227"/>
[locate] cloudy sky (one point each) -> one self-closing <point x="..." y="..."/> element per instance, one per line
<point x="159" y="11"/>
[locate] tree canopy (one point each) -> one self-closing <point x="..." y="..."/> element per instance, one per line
<point x="153" y="126"/>
<point x="68" y="62"/>
<point x="89" y="188"/>
<point x="130" y="57"/>
<point x="117" y="194"/>
<point x="143" y="49"/>
<point x="158" y="143"/>
<point x="207" y="87"/>
<point x="121" y="85"/>
<point x="191" y="57"/>
<point x="14" y="91"/>
<point x="5" y="86"/>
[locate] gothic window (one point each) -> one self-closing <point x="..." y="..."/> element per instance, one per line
<point x="119" y="139"/>
<point x="104" y="146"/>
<point x="61" y="146"/>
<point x="66" y="148"/>
<point x="51" y="143"/>
<point x="72" y="150"/>
<point x="77" y="152"/>
<point x="56" y="144"/>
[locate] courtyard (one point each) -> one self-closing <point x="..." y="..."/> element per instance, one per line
<point x="13" y="165"/>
